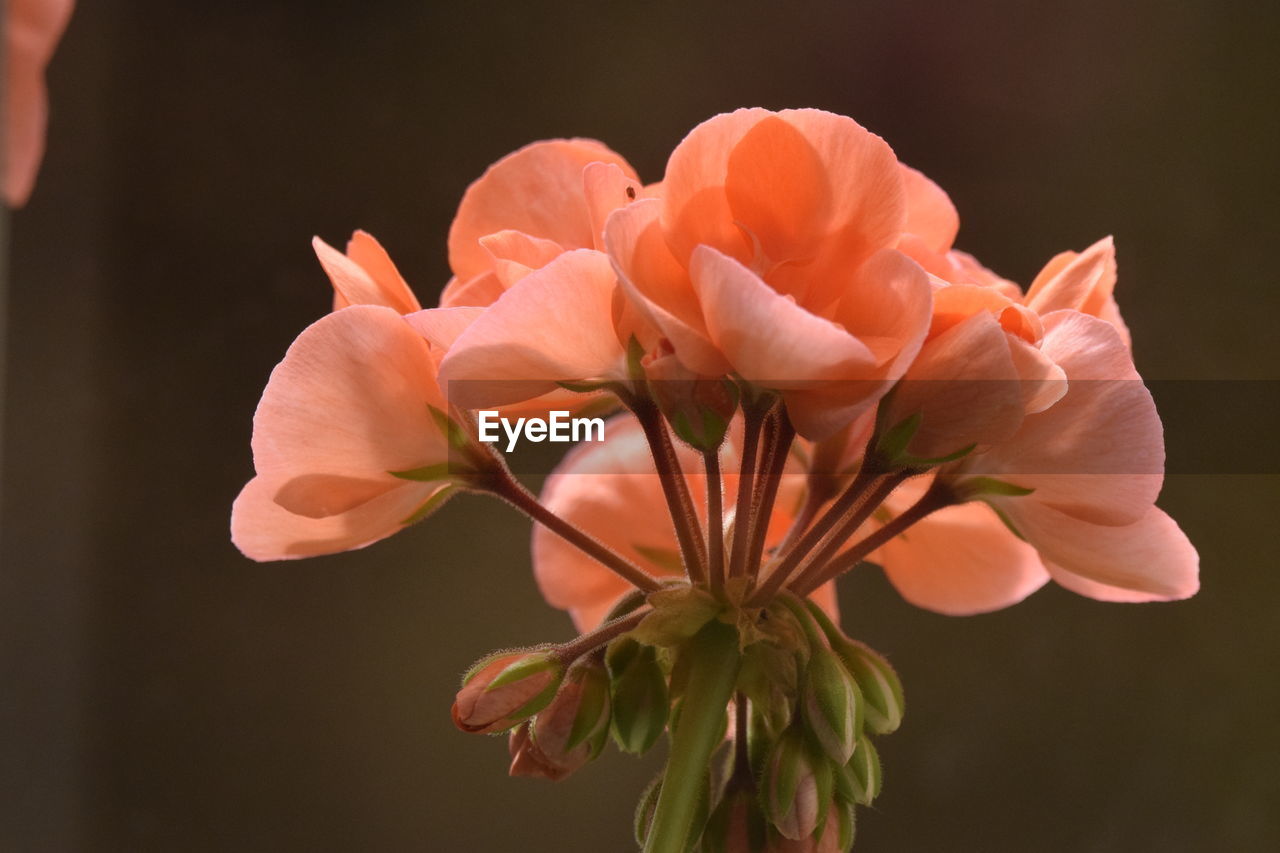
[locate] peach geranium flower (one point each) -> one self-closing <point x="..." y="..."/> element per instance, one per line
<point x="770" y="254"/>
<point x="347" y="406"/>
<point x="31" y="32"/>
<point x="1091" y="466"/>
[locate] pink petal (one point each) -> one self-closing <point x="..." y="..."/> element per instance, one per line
<point x="365" y="275"/>
<point x="1084" y="282"/>
<point x="960" y="561"/>
<point x="606" y="188"/>
<point x="31" y="32"/>
<point x="696" y="210"/>
<point x="556" y="324"/>
<point x="477" y="291"/>
<point x="658" y="286"/>
<point x="1098" y="453"/>
<point x="766" y="337"/>
<point x="264" y="530"/>
<point x="350" y="398"/>
<point x="537" y="190"/>
<point x="516" y="254"/>
<point x="1149" y="560"/>
<point x="964" y="386"/>
<point x="930" y="214"/>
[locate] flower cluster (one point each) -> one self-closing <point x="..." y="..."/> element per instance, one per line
<point x="804" y="368"/>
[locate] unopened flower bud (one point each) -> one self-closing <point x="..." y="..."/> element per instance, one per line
<point x="796" y="786"/>
<point x="832" y="705"/>
<point x="836" y="836"/>
<point x="736" y="825"/>
<point x="506" y="689"/>
<point x="638" y="688"/>
<point x="863" y="775"/>
<point x="699" y="409"/>
<point x="570" y="731"/>
<point x="881" y="689"/>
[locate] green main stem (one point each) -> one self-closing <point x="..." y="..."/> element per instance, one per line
<point x="713" y="673"/>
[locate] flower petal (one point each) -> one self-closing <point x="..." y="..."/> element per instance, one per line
<point x="554" y="325"/>
<point x="264" y="530"/>
<point x="930" y="214"/>
<point x="658" y="286"/>
<point x="31" y="32"/>
<point x="1149" y="560"/>
<point x="960" y="561"/>
<point x="537" y="190"/>
<point x="350" y="398"/>
<point x="767" y="337"/>
<point x="1098" y="453"/>
<point x="365" y="275"/>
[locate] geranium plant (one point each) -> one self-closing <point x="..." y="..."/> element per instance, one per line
<point x="805" y="375"/>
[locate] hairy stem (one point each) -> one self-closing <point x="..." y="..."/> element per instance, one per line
<point x="781" y="435"/>
<point x="752" y="419"/>
<point x="715" y="519"/>
<point x="937" y="497"/>
<point x="513" y="492"/>
<point x="674" y="487"/>
<point x="713" y="672"/>
<point x="574" y="649"/>
<point x="847" y="527"/>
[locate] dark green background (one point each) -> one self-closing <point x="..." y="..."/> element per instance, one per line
<point x="162" y="693"/>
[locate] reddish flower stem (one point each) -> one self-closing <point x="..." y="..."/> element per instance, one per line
<point x="507" y="487"/>
<point x="753" y="419"/>
<point x="674" y="487"/>
<point x="847" y="527"/>
<point x="715" y="519"/>
<point x="574" y="649"/>
<point x="790" y="559"/>
<point x="938" y="497"/>
<point x="781" y="435"/>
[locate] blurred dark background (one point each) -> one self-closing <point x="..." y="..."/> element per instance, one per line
<point x="160" y="692"/>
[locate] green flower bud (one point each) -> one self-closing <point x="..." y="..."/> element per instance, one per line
<point x="832" y="705"/>
<point x="796" y="787"/>
<point x="570" y="731"/>
<point x="638" y="689"/>
<point x="505" y="689"/>
<point x="880" y="686"/>
<point x="864" y="772"/>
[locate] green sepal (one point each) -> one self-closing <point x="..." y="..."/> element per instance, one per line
<point x="640" y="701"/>
<point x="972" y="487"/>
<point x="449" y="428"/>
<point x="523" y="668"/>
<point x="635" y="354"/>
<point x="585" y="386"/>
<point x="893" y="442"/>
<point x="678" y="613"/>
<point x="1006" y="521"/>
<point x="592" y="719"/>
<point x="429" y="506"/>
<point x="769" y="677"/>
<point x="425" y="474"/>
